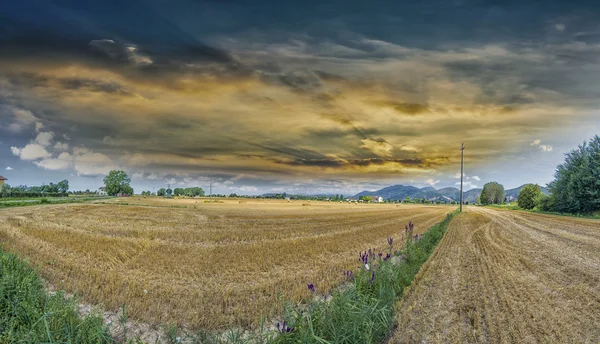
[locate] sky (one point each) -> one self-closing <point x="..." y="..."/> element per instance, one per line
<point x="295" y="96"/>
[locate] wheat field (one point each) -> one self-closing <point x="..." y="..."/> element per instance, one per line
<point x="202" y="265"/>
<point x="507" y="277"/>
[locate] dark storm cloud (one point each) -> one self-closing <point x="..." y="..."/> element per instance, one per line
<point x="307" y="88"/>
<point x="407" y="108"/>
<point x="298" y="80"/>
<point x="341" y="163"/>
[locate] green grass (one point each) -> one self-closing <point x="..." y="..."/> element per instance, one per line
<point x="22" y="202"/>
<point x="30" y="315"/>
<point x="595" y="216"/>
<point x="514" y="206"/>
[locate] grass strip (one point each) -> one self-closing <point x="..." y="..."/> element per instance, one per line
<point x="38" y="201"/>
<point x="28" y="314"/>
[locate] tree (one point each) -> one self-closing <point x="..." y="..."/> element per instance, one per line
<point x="161" y="192"/>
<point x="528" y="196"/>
<point x="117" y="182"/>
<point x="576" y="185"/>
<point x="63" y="186"/>
<point x="406" y="200"/>
<point x="179" y="191"/>
<point x="194" y="192"/>
<point x="492" y="193"/>
<point x="169" y="191"/>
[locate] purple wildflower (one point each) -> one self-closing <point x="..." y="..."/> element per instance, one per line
<point x="364" y="258"/>
<point x="283" y="328"/>
<point x="311" y="287"/>
<point x="387" y="256"/>
<point x="390" y="241"/>
<point x="372" y="277"/>
<point x="380" y="254"/>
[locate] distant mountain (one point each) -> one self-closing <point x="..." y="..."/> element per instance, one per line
<point x="394" y="192"/>
<point x="400" y="192"/>
<point x="471" y="195"/>
<point x="513" y="194"/>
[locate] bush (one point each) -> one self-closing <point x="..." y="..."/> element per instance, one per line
<point x="528" y="195"/>
<point x="544" y="203"/>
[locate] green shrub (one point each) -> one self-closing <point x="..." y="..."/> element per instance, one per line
<point x="528" y="195"/>
<point x="544" y="203"/>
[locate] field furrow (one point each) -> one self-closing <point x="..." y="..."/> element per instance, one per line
<point x="504" y="277"/>
<point x="212" y="266"/>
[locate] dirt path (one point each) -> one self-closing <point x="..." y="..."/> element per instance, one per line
<point x="507" y="277"/>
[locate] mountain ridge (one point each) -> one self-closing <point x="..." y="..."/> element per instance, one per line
<point x="399" y="192"/>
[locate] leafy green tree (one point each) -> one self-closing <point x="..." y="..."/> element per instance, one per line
<point x="178" y="191"/>
<point x="544" y="202"/>
<point x="117" y="182"/>
<point x="194" y="192"/>
<point x="492" y="193"/>
<point x="576" y="185"/>
<point x="63" y="186"/>
<point x="169" y="191"/>
<point x="528" y="196"/>
<point x="406" y="200"/>
<point x="161" y="192"/>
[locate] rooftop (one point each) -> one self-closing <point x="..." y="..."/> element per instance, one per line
<point x="3" y="178"/>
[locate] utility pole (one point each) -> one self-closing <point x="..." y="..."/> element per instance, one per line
<point x="462" y="160"/>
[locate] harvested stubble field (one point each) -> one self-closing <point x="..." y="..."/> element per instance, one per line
<point x="507" y="277"/>
<point x="202" y="265"/>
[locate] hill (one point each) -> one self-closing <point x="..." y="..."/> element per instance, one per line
<point x="400" y="192"/>
<point x="394" y="192"/>
<point x="513" y="194"/>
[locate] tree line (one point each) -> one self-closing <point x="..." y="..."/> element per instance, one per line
<point x="576" y="185"/>
<point x="59" y="189"/>
<point x="574" y="190"/>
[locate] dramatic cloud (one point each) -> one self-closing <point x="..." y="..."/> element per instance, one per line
<point x="31" y="151"/>
<point x="542" y="147"/>
<point x="62" y="162"/>
<point x="329" y="104"/>
<point x="380" y="148"/>
<point x="44" y="138"/>
<point x="61" y="146"/>
<point x="432" y="182"/>
<point x="467" y="185"/>
<point x="88" y="163"/>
